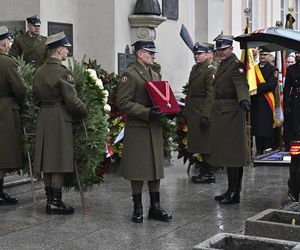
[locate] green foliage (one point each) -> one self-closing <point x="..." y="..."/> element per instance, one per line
<point x="29" y="113"/>
<point x="90" y="135"/>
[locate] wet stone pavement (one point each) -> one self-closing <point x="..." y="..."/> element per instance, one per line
<point x="107" y="225"/>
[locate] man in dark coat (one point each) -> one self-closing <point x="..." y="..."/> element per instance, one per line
<point x="143" y="142"/>
<point x="12" y="96"/>
<point x="291" y="104"/>
<point x="262" y="119"/>
<point x="31" y="45"/>
<point x="54" y="92"/>
<point x="197" y="110"/>
<point x="228" y="135"/>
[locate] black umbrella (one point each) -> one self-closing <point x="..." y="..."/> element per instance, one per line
<point x="272" y="38"/>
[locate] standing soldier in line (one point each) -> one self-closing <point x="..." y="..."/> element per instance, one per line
<point x="31" y="45"/>
<point x="12" y="96"/>
<point x="261" y="112"/>
<point x="54" y="92"/>
<point x="197" y="110"/>
<point x="291" y="105"/>
<point x="143" y="142"/>
<point x="228" y="135"/>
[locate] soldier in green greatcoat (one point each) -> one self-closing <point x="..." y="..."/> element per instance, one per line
<point x="228" y="135"/>
<point x="12" y="96"/>
<point x="143" y="142"/>
<point x="55" y="95"/>
<point x="197" y="110"/>
<point x="31" y="45"/>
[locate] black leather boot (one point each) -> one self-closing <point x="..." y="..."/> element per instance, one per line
<point x="5" y="200"/>
<point x="207" y="178"/>
<point x="230" y="186"/>
<point x="137" y="215"/>
<point x="155" y="211"/>
<point x="48" y="191"/>
<point x="56" y="205"/>
<point x="234" y="196"/>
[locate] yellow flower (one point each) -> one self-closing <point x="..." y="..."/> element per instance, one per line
<point x="184" y="141"/>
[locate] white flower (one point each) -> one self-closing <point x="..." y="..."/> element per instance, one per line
<point x="105" y="93"/>
<point x="105" y="99"/>
<point x="99" y="83"/>
<point x="108" y="130"/>
<point x="93" y="74"/>
<point x="107" y="108"/>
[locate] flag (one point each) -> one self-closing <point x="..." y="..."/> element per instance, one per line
<point x="280" y="64"/>
<point x="250" y="74"/>
<point x="108" y="150"/>
<point x="248" y="60"/>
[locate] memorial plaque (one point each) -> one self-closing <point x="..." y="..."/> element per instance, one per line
<point x="54" y="27"/>
<point x="124" y="59"/>
<point x="170" y="9"/>
<point x="15" y="27"/>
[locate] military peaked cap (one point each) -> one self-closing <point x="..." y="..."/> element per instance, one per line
<point x="200" y="48"/>
<point x="4" y="32"/>
<point x="35" y="20"/>
<point x="223" y="41"/>
<point x="146" y="45"/>
<point x="57" y="40"/>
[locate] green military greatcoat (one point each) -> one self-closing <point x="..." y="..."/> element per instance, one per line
<point x="199" y="101"/>
<point x="143" y="142"/>
<point x="228" y="133"/>
<point x="12" y="95"/>
<point x="32" y="49"/>
<point x="54" y="92"/>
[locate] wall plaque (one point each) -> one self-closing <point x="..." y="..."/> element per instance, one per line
<point x="170" y="9"/>
<point x="15" y="27"/>
<point x="124" y="59"/>
<point x="54" y="27"/>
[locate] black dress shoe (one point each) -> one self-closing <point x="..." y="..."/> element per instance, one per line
<point x="5" y="200"/>
<point x="222" y="196"/>
<point x="157" y="213"/>
<point x="58" y="207"/>
<point x="206" y="179"/>
<point x="293" y="197"/>
<point x="231" y="198"/>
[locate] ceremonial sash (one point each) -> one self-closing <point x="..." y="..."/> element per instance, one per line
<point x="269" y="96"/>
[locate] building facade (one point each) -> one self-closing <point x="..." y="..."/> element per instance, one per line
<point x="100" y="29"/>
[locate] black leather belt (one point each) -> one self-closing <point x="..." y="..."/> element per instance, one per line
<point x="201" y="95"/>
<point x="51" y="103"/>
<point x="2" y="96"/>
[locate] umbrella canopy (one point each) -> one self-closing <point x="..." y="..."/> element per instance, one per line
<point x="272" y="38"/>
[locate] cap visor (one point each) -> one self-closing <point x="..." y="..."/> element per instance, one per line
<point x="68" y="45"/>
<point x="151" y="50"/>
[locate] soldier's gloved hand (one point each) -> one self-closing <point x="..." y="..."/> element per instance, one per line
<point x="156" y="113"/>
<point x="245" y="105"/>
<point x="203" y="122"/>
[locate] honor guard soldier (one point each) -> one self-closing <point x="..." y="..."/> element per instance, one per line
<point x="30" y="45"/>
<point x="291" y="104"/>
<point x="55" y="95"/>
<point x="228" y="136"/>
<point x="197" y="110"/>
<point x="261" y="110"/>
<point x="12" y="96"/>
<point x="143" y="142"/>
